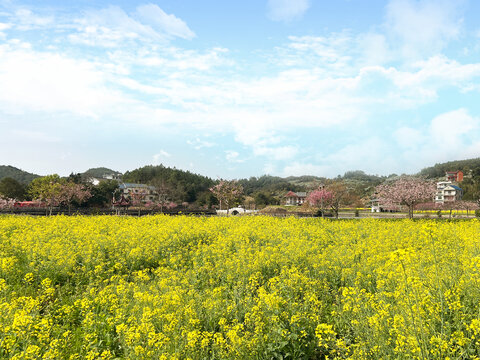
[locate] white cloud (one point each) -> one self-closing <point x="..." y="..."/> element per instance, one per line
<point x="339" y="80"/>
<point x="448" y="130"/>
<point x="43" y="81"/>
<point x="5" y="26"/>
<point x="154" y="16"/>
<point x="425" y="26"/>
<point x="287" y="10"/>
<point x="35" y="136"/>
<point x="276" y="153"/>
<point x="332" y="53"/>
<point x="161" y="155"/>
<point x="259" y="111"/>
<point x="198" y="144"/>
<point x="25" y="19"/>
<point x="299" y="169"/>
<point x="269" y="168"/>
<point x="374" y="49"/>
<point x="232" y="156"/>
<point x="112" y="26"/>
<point x="408" y="138"/>
<point x="448" y="136"/>
<point x="372" y="154"/>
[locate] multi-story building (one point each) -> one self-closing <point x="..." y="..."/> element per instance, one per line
<point x="447" y="192"/>
<point x="454" y="176"/>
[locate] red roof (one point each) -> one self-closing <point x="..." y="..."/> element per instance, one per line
<point x="122" y="202"/>
<point x="29" y="204"/>
<point x="291" y="194"/>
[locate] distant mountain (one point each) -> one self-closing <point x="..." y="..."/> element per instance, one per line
<point x="17" y="174"/>
<point x="99" y="172"/>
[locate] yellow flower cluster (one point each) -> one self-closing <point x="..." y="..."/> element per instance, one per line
<point x="182" y="287"/>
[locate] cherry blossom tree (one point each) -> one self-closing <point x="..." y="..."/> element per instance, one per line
<point x="469" y="205"/>
<point x="164" y="193"/>
<point x="321" y="198"/>
<point x="227" y="192"/>
<point x="6" y="203"/>
<point x="341" y="196"/>
<point x="71" y="192"/>
<point x="407" y="191"/>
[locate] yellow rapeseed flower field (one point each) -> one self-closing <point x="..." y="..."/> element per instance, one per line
<point x="164" y="287"/>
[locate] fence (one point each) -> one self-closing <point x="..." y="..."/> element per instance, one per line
<point x="104" y="211"/>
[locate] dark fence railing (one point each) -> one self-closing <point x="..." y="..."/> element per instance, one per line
<point x="103" y="211"/>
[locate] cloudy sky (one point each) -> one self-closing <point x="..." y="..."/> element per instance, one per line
<point x="239" y="88"/>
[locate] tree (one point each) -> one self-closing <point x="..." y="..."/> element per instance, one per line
<point x="102" y="194"/>
<point x="55" y="191"/>
<point x="75" y="178"/>
<point x="227" y="192"/>
<point x="6" y="203"/>
<point x="249" y="202"/>
<point x="164" y="192"/>
<point x="467" y="205"/>
<point x="265" y="198"/>
<point x="341" y="196"/>
<point x="407" y="191"/>
<point x="47" y="189"/>
<point x="71" y="193"/>
<point x="12" y="189"/>
<point x="320" y="198"/>
<point x="207" y="199"/>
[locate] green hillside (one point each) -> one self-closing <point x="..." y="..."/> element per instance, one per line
<point x="179" y="185"/>
<point x="99" y="172"/>
<point x="17" y="174"/>
<point x="468" y="167"/>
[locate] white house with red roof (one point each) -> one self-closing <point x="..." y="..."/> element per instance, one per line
<point x="295" y="198"/>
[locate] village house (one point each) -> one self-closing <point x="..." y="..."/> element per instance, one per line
<point x="96" y="181"/>
<point x="454" y="176"/>
<point x="295" y="198"/>
<point x="447" y="192"/>
<point x="141" y="192"/>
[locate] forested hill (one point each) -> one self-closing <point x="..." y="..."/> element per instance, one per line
<point x="270" y="184"/>
<point x="466" y="166"/>
<point x="17" y="174"/>
<point x="100" y="172"/>
<point x="184" y="184"/>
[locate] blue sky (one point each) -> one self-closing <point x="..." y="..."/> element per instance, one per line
<point x="239" y="88"/>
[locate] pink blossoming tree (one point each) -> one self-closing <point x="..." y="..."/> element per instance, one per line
<point x="407" y="191"/>
<point x="6" y="203"/>
<point x="321" y="199"/>
<point x="71" y="192"/>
